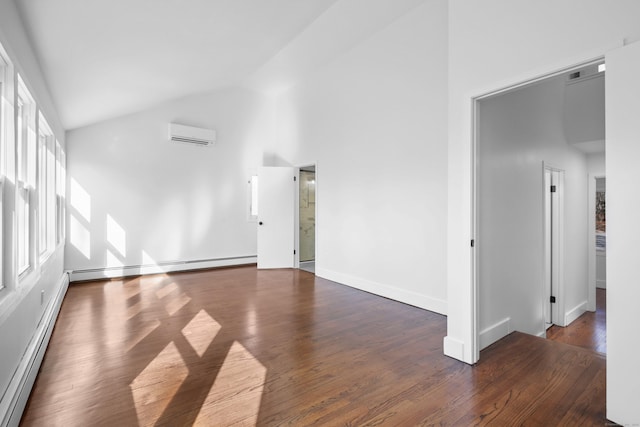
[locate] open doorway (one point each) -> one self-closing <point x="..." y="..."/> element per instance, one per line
<point x="558" y="120"/>
<point x="307" y="218"/>
<point x="601" y="232"/>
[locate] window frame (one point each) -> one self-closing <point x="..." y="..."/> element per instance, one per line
<point x="3" y="167"/>
<point x="26" y="178"/>
<point x="61" y="190"/>
<point x="252" y="198"/>
<point x="46" y="188"/>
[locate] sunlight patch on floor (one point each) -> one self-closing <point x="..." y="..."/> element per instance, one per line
<point x="175" y="304"/>
<point x="166" y="290"/>
<point x="152" y="279"/>
<point x="154" y="387"/>
<point x="134" y="310"/>
<point x="201" y="331"/>
<point x="141" y="332"/>
<point x="234" y="398"/>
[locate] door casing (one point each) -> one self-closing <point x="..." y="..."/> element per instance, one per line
<point x="475" y="137"/>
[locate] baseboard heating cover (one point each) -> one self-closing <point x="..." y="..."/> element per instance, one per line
<point x="16" y="396"/>
<point x="159" y="267"/>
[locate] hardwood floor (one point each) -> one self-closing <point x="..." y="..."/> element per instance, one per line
<point x="589" y="330"/>
<point x="282" y="347"/>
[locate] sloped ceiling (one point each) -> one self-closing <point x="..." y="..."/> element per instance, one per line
<point x="103" y="59"/>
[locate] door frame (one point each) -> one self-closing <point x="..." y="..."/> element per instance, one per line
<point x="475" y="137"/>
<point x="296" y="217"/>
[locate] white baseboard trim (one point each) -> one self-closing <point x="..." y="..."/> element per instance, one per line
<point x="161" y="267"/>
<point x="574" y="313"/>
<point x="408" y="297"/>
<point x="17" y="393"/>
<point x="495" y="332"/>
<point x="453" y="348"/>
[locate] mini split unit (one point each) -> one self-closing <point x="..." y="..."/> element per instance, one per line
<point x="192" y="135"/>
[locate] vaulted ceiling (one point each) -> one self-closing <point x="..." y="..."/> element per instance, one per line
<point x="103" y="59"/>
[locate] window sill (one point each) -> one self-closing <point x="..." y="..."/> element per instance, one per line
<point x="44" y="257"/>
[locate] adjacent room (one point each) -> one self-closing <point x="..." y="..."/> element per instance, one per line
<point x="323" y="212"/>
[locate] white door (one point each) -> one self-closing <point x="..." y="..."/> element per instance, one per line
<point x="276" y="207"/>
<point x="552" y="220"/>
<point x="548" y="248"/>
<point x="623" y="233"/>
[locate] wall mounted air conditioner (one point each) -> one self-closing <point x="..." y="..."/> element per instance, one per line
<point x="191" y="135"/>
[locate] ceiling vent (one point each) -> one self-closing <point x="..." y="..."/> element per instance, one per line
<point x="586" y="73"/>
<point x="192" y="135"/>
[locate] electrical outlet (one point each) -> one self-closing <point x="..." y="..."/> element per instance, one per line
<point x="42" y="297"/>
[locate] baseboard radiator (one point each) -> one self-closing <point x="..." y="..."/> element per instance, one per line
<point x="159" y="267"/>
<point x="19" y="389"/>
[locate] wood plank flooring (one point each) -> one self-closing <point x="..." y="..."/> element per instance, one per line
<point x="282" y="347"/>
<point x="587" y="331"/>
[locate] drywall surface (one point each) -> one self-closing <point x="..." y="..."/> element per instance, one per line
<point x="596" y="164"/>
<point x="23" y="302"/>
<point x="519" y="132"/>
<point x="494" y="44"/>
<point x="374" y="120"/>
<point x="584" y="111"/>
<point x="343" y="26"/>
<point x="16" y="42"/>
<point x="135" y="198"/>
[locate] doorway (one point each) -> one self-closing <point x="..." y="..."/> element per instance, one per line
<point x="307" y="218"/>
<point x="601" y="233"/>
<point x="520" y="249"/>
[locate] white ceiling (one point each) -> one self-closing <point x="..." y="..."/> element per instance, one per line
<point x="103" y="59"/>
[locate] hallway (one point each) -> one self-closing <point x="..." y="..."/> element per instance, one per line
<point x="589" y="330"/>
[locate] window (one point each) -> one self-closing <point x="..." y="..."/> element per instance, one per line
<point x="3" y="165"/>
<point x="25" y="176"/>
<point x="253" y="198"/>
<point x="60" y="192"/>
<point x="46" y="186"/>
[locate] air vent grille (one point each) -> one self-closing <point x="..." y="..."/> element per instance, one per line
<point x="191" y="135"/>
<point x="190" y="140"/>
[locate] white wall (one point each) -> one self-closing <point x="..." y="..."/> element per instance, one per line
<point x="518" y="132"/>
<point x="17" y="44"/>
<point x="595" y="164"/>
<point x="22" y="310"/>
<point x="375" y="121"/>
<point x="584" y="124"/>
<point x="137" y="199"/>
<point x="480" y="61"/>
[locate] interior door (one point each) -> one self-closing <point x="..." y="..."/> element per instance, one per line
<point x="276" y="208"/>
<point x="548" y="249"/>
<point x="552" y="190"/>
<point x="623" y="232"/>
